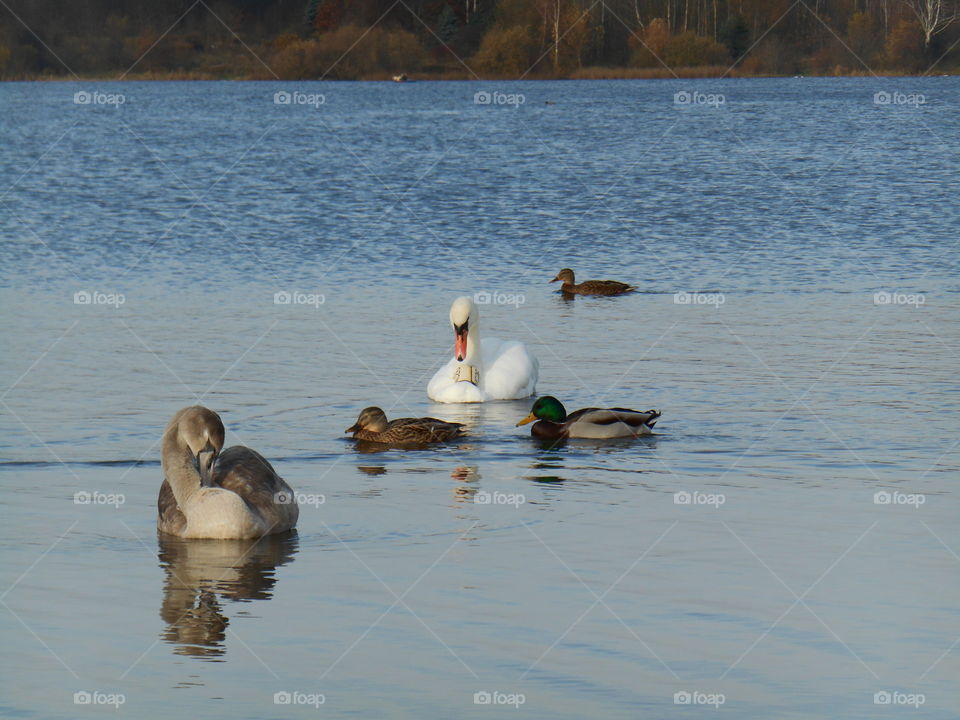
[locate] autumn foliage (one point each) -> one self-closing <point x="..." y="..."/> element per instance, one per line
<point x="355" y="39"/>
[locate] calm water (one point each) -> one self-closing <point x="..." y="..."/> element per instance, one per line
<point x="790" y="396"/>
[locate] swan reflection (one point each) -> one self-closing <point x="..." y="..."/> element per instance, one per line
<point x="203" y="576"/>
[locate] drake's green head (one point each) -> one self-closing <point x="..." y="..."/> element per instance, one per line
<point x="546" y="408"/>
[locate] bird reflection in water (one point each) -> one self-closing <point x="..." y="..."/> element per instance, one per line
<point x="203" y="575"/>
<point x="372" y="470"/>
<point x="468" y="475"/>
<point x="547" y="462"/>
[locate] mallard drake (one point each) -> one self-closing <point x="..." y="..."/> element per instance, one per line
<point x="597" y="423"/>
<point x="234" y="494"/>
<point x="590" y="287"/>
<point x="372" y="426"/>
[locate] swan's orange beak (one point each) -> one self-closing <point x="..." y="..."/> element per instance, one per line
<point x="528" y="419"/>
<point x="460" y="343"/>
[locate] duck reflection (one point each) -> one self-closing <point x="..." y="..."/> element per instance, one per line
<point x="598" y="445"/>
<point x="367" y="447"/>
<point x="552" y="455"/>
<point x="372" y="470"/>
<point x="547" y="463"/>
<point x="469" y="476"/>
<point x="201" y="575"/>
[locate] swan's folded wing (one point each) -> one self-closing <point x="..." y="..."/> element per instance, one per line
<point x="248" y="474"/>
<point x="510" y="370"/>
<point x="169" y="517"/>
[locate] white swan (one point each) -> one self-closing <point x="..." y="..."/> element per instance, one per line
<point x="493" y="370"/>
<point x="238" y="497"/>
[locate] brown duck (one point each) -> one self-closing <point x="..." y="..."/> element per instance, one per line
<point x="590" y="287"/>
<point x="372" y="426"/>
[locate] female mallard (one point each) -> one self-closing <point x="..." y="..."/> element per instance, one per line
<point x="372" y="426"/>
<point x="590" y="287"/>
<point x="596" y="423"/>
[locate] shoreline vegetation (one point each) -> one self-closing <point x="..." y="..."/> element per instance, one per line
<point x="489" y="40"/>
<point x="586" y="73"/>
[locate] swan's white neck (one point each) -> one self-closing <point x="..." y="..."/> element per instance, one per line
<point x="473" y="356"/>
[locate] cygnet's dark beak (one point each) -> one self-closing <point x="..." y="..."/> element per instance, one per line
<point x="206" y="459"/>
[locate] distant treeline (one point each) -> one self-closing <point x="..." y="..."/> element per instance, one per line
<point x="356" y="39"/>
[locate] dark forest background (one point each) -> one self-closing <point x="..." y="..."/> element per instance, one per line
<point x="356" y="39"/>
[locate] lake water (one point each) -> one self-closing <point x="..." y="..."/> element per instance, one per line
<point x="811" y="364"/>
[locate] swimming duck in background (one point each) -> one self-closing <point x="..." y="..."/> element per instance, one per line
<point x="372" y="426"/>
<point x="590" y="287"/>
<point x="596" y="423"/>
<point x="235" y="494"/>
<point x="493" y="370"/>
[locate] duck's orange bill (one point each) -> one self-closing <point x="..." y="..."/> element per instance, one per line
<point x="460" y="346"/>
<point x="528" y="419"/>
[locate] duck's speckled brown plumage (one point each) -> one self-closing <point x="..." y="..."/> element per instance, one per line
<point x="372" y="426"/>
<point x="590" y="287"/>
